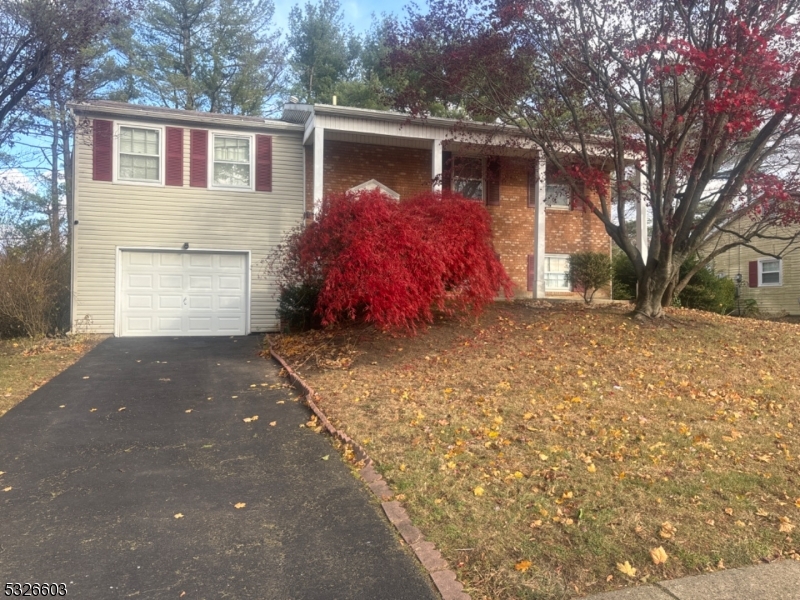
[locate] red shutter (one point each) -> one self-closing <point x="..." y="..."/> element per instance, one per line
<point x="174" y="170"/>
<point x="263" y="163"/>
<point x="493" y="181"/>
<point x="532" y="181"/>
<point x="531" y="272"/>
<point x="102" y="149"/>
<point x="198" y="158"/>
<point x="753" y="273"/>
<point x="447" y="171"/>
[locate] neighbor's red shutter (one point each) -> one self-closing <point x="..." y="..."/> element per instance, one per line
<point x="753" y="273"/>
<point x="174" y="170"/>
<point x="263" y="163"/>
<point x="531" y="272"/>
<point x="198" y="158"/>
<point x="493" y="181"/>
<point x="102" y="149"/>
<point x="447" y="171"/>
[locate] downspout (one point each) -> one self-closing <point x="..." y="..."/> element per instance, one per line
<point x="73" y="226"/>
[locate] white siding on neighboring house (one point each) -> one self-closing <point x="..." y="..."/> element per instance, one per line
<point x="775" y="299"/>
<point x="116" y="215"/>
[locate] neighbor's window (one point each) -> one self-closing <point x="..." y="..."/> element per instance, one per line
<point x="769" y="272"/>
<point x="468" y="177"/>
<point x="556" y="273"/>
<point x="558" y="195"/>
<point x="232" y="161"/>
<point x="139" y="154"/>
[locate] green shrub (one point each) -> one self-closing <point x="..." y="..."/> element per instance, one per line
<point x="296" y="307"/>
<point x="707" y="291"/>
<point x="588" y="272"/>
<point x="623" y="278"/>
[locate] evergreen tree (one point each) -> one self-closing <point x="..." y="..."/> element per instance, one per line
<point x="208" y="55"/>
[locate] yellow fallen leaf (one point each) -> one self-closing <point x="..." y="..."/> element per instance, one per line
<point x="62" y="406"/>
<point x="667" y="530"/>
<point x="8" y="489"/>
<point x="273" y="423"/>
<point x="493" y="434"/>
<point x="92" y="410"/>
<point x="188" y="410"/>
<point x="542" y="456"/>
<point x="478" y="491"/>
<point x="403" y="467"/>
<point x="280" y="402"/>
<point x="626" y="569"/>
<point x="740" y="524"/>
<point x="536" y="523"/>
<point x="239" y="505"/>
<point x="729" y="511"/>
<point x="326" y="457"/>
<point x="659" y="555"/>
<point x="523" y="566"/>
<point x="120" y="409"/>
<point x="179" y="516"/>
<point x="591" y="468"/>
<point x="797" y="503"/>
<point x="250" y="419"/>
<point x="527" y="416"/>
<point x="518" y="475"/>
<point x="786" y="525"/>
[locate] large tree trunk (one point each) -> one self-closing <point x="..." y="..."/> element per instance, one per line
<point x="655" y="289"/>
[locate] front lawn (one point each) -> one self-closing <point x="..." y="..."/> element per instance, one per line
<point x="543" y="448"/>
<point x="26" y="365"/>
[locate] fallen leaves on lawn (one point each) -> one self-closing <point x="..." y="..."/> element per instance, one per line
<point x="786" y="525"/>
<point x="478" y="491"/>
<point x="523" y="566"/>
<point x="626" y="569"/>
<point x="667" y="530"/>
<point x="659" y="555"/>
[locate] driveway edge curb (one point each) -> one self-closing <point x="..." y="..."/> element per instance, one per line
<point x="428" y="556"/>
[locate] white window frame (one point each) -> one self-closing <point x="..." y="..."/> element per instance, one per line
<point x="761" y="262"/>
<point x="231" y="134"/>
<point x="162" y="146"/>
<point x="558" y="206"/>
<point x="482" y="199"/>
<point x="550" y="288"/>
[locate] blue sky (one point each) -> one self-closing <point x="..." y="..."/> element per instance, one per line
<point x="357" y="12"/>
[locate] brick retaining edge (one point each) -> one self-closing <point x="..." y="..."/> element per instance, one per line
<point x="429" y="557"/>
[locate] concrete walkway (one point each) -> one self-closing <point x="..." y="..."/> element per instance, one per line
<point x="133" y="475"/>
<point x="775" y="581"/>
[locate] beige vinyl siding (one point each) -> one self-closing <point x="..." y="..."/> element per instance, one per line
<point x="775" y="300"/>
<point x="113" y="215"/>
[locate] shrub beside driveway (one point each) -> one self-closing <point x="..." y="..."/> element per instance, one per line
<point x="557" y="452"/>
<point x="26" y="365"/>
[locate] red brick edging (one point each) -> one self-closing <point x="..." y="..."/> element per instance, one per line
<point x="443" y="577"/>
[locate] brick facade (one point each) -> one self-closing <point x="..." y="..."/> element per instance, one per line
<point x="407" y="171"/>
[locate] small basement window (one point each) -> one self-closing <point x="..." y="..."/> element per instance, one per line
<point x="556" y="273"/>
<point x="769" y="272"/>
<point x="232" y="162"/>
<point x="139" y="154"/>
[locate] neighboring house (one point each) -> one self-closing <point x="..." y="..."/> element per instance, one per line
<point x="774" y="283"/>
<point x="175" y="211"/>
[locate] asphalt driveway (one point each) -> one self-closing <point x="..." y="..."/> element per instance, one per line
<point x="103" y="461"/>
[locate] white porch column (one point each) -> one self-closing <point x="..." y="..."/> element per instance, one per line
<point x="436" y="164"/>
<point x="641" y="190"/>
<point x="539" y="228"/>
<point x="319" y="153"/>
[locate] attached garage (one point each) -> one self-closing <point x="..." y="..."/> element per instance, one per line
<point x="175" y="215"/>
<point x="182" y="293"/>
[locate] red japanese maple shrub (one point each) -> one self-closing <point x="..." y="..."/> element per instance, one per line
<point x="394" y="263"/>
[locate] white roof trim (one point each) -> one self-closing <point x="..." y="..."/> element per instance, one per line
<point x="373" y="184"/>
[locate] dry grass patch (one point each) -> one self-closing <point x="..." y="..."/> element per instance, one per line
<point x="542" y="449"/>
<point x="26" y="365"/>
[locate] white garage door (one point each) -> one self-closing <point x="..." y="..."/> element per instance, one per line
<point x="183" y="293"/>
